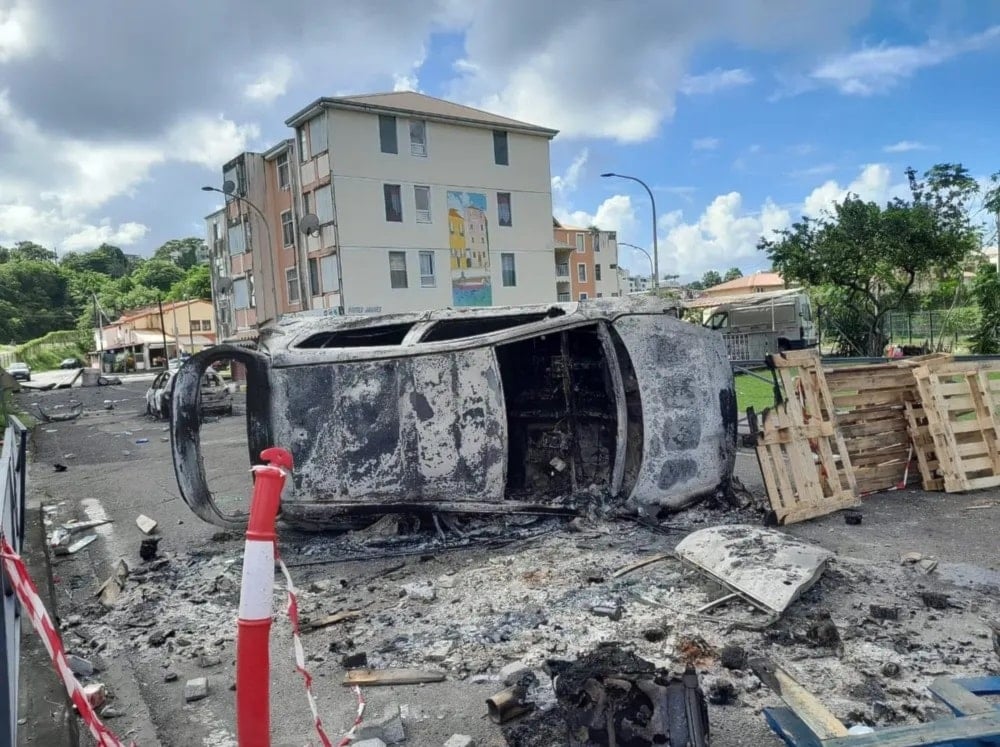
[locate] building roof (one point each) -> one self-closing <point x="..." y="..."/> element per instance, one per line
<point x="410" y="102"/>
<point x="282" y="146"/>
<point x="758" y="279"/>
<point x="133" y="314"/>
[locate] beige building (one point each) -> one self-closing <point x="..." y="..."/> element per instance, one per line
<point x="757" y="282"/>
<point x="586" y="263"/>
<point x="384" y="203"/>
<point x="151" y="336"/>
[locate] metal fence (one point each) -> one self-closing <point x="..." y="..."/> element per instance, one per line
<point x="13" y="471"/>
<point x="747" y="347"/>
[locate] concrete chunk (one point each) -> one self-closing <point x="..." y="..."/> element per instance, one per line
<point x="145" y="524"/>
<point x="460" y="740"/>
<point x="196" y="689"/>
<point x="388" y="728"/>
<point x="369" y="743"/>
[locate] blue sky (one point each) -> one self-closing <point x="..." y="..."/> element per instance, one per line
<point x="741" y="114"/>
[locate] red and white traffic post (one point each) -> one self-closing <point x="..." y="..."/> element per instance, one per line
<point x="253" y="664"/>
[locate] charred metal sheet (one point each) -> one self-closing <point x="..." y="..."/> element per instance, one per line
<point x="688" y="410"/>
<point x="409" y="430"/>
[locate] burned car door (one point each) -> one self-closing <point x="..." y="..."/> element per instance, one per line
<point x="404" y="430"/>
<point x="688" y="410"/>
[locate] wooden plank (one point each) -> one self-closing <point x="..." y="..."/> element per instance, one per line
<point x="984" y="416"/>
<point x="949" y="731"/>
<point x="959" y="699"/>
<point x="641" y="564"/>
<point x="806" y="706"/>
<point x="383" y="677"/>
<point x="323" y="622"/>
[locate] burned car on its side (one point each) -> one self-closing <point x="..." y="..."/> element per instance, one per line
<point x="480" y="410"/>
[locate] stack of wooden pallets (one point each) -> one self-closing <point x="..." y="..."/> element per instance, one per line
<point x="846" y="432"/>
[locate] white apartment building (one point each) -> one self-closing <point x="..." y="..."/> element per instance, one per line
<point x="422" y="203"/>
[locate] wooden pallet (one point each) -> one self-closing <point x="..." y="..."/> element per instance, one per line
<point x="960" y="404"/>
<point x="923" y="446"/>
<point x="870" y="412"/>
<point x="803" y="459"/>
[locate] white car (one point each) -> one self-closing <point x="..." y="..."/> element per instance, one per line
<point x="215" y="394"/>
<point x="20" y="371"/>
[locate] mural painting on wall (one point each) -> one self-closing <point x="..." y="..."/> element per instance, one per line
<point x="469" y="242"/>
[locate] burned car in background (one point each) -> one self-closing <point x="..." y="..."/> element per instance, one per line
<point x="216" y="396"/>
<point x="478" y="410"/>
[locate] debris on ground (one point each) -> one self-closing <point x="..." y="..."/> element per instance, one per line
<point x="387" y="727"/>
<point x="145" y="524"/>
<point x="148" y="548"/>
<point x="112" y="588"/>
<point x="196" y="689"/>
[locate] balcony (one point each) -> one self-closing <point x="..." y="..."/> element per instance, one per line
<point x="562" y="270"/>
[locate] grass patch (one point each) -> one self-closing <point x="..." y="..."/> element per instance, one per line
<point x="752" y="392"/>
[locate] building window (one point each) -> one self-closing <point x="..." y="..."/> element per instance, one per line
<point x="237" y="239"/>
<point x="292" y="285"/>
<point x="328" y="271"/>
<point x="206" y="325"/>
<point x="508" y="271"/>
<point x="387" y="133"/>
<point x="284" y="173"/>
<point x="583" y="296"/>
<point x="422" y="198"/>
<point x="427" y="279"/>
<point x="303" y="144"/>
<point x="393" y="204"/>
<point x="581" y="245"/>
<point x="397" y="270"/>
<point x="253" y="292"/>
<point x="241" y="296"/>
<point x="196" y="325"/>
<point x="314" y="276"/>
<point x="600" y="295"/>
<point x="317" y="134"/>
<point x="323" y="204"/>
<point x="503" y="209"/>
<point x="597" y="242"/>
<point x="581" y="272"/>
<point x="597" y="272"/>
<point x="500" y="155"/>
<point x="287" y="229"/>
<point x="307" y="203"/>
<point x="418" y="137"/>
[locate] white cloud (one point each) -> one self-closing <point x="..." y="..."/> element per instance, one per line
<point x="272" y="83"/>
<point x="405" y="82"/>
<point x="877" y="69"/>
<point x="716" y="80"/>
<point x="18" y="30"/>
<point x="567" y="182"/>
<point x="616" y="213"/>
<point x="706" y="143"/>
<point x="904" y="146"/>
<point x="874" y="184"/>
<point x="54" y="183"/>
<point x="527" y="59"/>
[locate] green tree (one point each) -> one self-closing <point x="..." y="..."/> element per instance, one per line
<point x="986" y="291"/>
<point x="182" y="252"/>
<point x="158" y="274"/>
<point x="29" y="250"/>
<point x="197" y="283"/>
<point x="732" y="274"/>
<point x="695" y="285"/>
<point x="36" y="299"/>
<point x="872" y="256"/>
<point x="106" y="259"/>
<point x="711" y="278"/>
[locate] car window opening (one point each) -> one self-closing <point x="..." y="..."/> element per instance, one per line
<point x="360" y="337"/>
<point x="561" y="414"/>
<point x="456" y="329"/>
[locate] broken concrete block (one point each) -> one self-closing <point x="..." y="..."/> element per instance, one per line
<point x="96" y="693"/>
<point x="112" y="588"/>
<point x="611" y="610"/>
<point x="388" y="728"/>
<point x="79" y="666"/>
<point x="369" y="743"/>
<point x="423" y="591"/>
<point x="935" y="600"/>
<point x="460" y="740"/>
<point x="145" y="524"/>
<point x="439" y="650"/>
<point x="209" y="660"/>
<point x="196" y="689"/>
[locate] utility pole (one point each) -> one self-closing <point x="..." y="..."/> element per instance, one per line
<point x="100" y="333"/>
<point x="190" y="330"/>
<point x="163" y="333"/>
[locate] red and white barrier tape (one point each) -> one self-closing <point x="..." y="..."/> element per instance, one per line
<point x="300" y="664"/>
<point x="27" y="593"/>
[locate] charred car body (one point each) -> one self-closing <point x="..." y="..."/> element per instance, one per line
<point x="501" y="410"/>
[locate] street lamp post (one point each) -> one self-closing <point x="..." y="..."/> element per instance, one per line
<point x="639" y="248"/>
<point x="229" y="190"/>
<point x="652" y="200"/>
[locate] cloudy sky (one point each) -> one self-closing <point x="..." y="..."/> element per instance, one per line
<point x="740" y="114"/>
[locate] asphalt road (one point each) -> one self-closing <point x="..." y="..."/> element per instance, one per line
<point x="118" y="466"/>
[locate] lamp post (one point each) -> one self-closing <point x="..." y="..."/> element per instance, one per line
<point x="652" y="200"/>
<point x="639" y="248"/>
<point x="229" y="190"/>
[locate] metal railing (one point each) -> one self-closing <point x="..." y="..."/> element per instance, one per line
<point x="13" y="471"/>
<point x="746" y="347"/>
